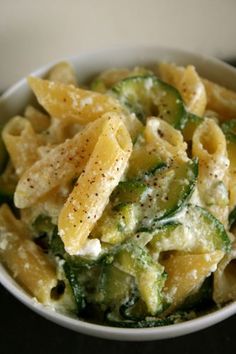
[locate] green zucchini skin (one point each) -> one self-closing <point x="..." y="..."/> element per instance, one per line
<point x="229" y="129"/>
<point x="197" y="224"/>
<point x="232" y="217"/>
<point x="150" y="321"/>
<point x="167" y="199"/>
<point x="148" y="96"/>
<point x="77" y="289"/>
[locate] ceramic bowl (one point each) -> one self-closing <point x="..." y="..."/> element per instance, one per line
<point x="14" y="100"/>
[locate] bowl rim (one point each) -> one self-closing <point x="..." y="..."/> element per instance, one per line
<point x="109" y="332"/>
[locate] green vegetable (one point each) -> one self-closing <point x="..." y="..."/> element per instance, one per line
<point x="117" y="223"/>
<point x="76" y="287"/>
<point x="169" y="190"/>
<point x="196" y="231"/>
<point x="43" y="224"/>
<point x="178" y="317"/>
<point x="130" y="191"/>
<point x="56" y="244"/>
<point x="229" y="129"/>
<point x="232" y="217"/>
<point x="149" y="275"/>
<point x="114" y="286"/>
<point x="148" y="96"/>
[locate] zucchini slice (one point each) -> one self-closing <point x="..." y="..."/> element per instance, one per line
<point x="118" y="223"/>
<point x="196" y="231"/>
<point x="130" y="191"/>
<point x="149" y="275"/>
<point x="114" y="286"/>
<point x="148" y="96"/>
<point x="229" y="129"/>
<point x="232" y="217"/>
<point x="168" y="191"/>
<point x="179" y="316"/>
<point x="77" y="289"/>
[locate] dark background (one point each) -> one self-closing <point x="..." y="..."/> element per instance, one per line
<point x="24" y="332"/>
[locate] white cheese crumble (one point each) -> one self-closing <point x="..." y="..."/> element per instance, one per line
<point x="85" y="101"/>
<point x="148" y="84"/>
<point x="92" y="248"/>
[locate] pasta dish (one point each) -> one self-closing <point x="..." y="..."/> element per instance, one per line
<point x="118" y="198"/>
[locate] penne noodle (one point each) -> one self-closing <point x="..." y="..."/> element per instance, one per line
<point x="186" y="273"/>
<point x="21" y="143"/>
<point x="167" y="140"/>
<point x="70" y="103"/>
<point x="62" y="72"/>
<point x="58" y="166"/>
<point x="38" y="120"/>
<point x="90" y="195"/>
<point x="221" y="100"/>
<point x="28" y="264"/>
<point x="189" y="84"/>
<point x="209" y="145"/>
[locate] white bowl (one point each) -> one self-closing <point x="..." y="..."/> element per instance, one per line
<point x="13" y="102"/>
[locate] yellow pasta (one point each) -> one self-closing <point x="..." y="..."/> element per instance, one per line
<point x="168" y="141"/>
<point x="60" y="165"/>
<point x="71" y="103"/>
<point x="209" y="145"/>
<point x="91" y="193"/>
<point x="231" y="148"/>
<point x="62" y="72"/>
<point x="29" y="266"/>
<point x="189" y="84"/>
<point x="38" y="120"/>
<point x="21" y="142"/>
<point x="186" y="273"/>
<point x="220" y="99"/>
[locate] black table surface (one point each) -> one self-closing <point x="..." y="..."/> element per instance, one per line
<point x="24" y="332"/>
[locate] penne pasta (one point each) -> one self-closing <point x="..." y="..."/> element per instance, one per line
<point x="39" y="121"/>
<point x="220" y="99"/>
<point x="70" y="103"/>
<point x="209" y="145"/>
<point x="90" y="196"/>
<point x="186" y="273"/>
<point x="167" y="140"/>
<point x="62" y="72"/>
<point x="21" y="143"/>
<point x="60" y="165"/>
<point x="29" y="266"/>
<point x="189" y="84"/>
